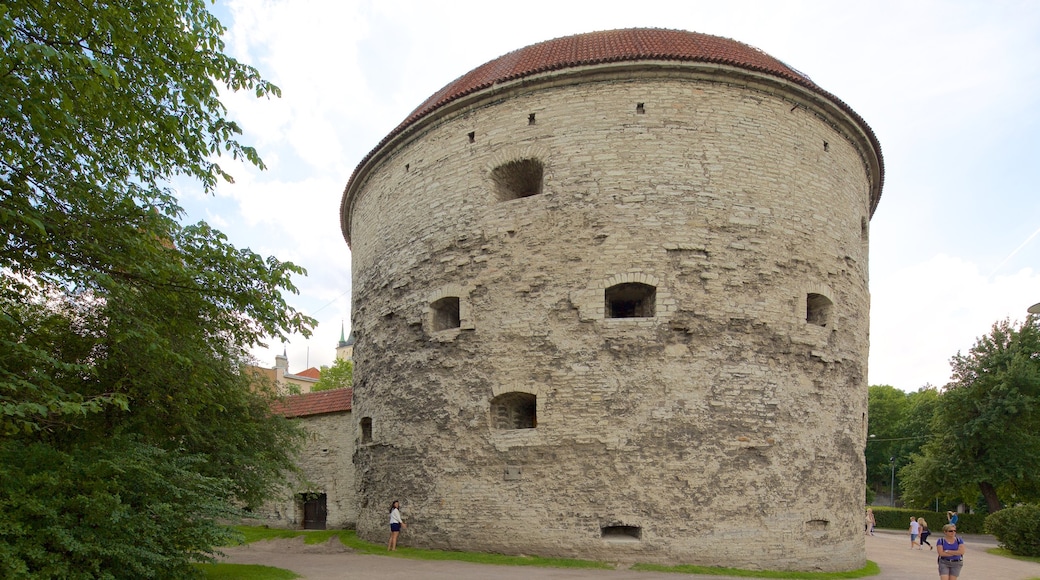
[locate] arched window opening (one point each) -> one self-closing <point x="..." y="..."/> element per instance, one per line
<point x="446" y="313"/>
<point x="366" y="429"/>
<point x="818" y="309"/>
<point x="631" y="300"/>
<point x="621" y="533"/>
<point x="514" y="411"/>
<point x="516" y="179"/>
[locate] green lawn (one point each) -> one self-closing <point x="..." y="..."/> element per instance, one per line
<point x="244" y="572"/>
<point x="349" y="538"/>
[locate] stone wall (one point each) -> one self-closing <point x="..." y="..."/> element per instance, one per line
<point x="325" y="464"/>
<point x="726" y="429"/>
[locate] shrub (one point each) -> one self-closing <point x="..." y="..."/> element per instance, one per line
<point x="899" y="519"/>
<point x="1017" y="529"/>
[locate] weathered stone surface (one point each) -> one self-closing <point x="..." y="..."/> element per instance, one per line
<point x="725" y="429"/>
<point x="326" y="467"/>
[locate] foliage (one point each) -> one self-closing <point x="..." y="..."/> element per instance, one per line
<point x="1017" y="529"/>
<point x="114" y="506"/>
<point x="126" y="422"/>
<point x="897" y="423"/>
<point x="986" y="426"/>
<point x="337" y="376"/>
<point x="899" y="519"/>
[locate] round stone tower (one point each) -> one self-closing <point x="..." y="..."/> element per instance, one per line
<point x="610" y="302"/>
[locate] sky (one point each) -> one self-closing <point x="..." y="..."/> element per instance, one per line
<point x="951" y="89"/>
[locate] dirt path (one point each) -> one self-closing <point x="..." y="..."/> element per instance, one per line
<point x="334" y="561"/>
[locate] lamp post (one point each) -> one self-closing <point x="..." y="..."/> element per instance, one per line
<point x="892" y="488"/>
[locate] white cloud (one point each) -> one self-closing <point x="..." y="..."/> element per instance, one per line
<point x="923" y="314"/>
<point x="952" y="91"/>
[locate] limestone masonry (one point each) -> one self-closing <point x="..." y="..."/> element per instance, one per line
<point x="610" y="302"/>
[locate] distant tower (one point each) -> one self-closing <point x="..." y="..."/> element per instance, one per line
<point x="281" y="361"/>
<point x="345" y="348"/>
<point x="611" y="298"/>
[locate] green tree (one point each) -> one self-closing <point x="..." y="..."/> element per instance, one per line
<point x="127" y="423"/>
<point x="337" y="376"/>
<point x="897" y="423"/>
<point x="986" y="427"/>
<point x="886" y="411"/>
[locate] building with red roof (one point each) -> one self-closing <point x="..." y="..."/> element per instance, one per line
<point x="610" y="294"/>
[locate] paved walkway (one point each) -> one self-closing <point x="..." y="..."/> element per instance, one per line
<point x="888" y="548"/>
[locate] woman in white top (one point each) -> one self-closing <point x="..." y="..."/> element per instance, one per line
<point x="395" y="525"/>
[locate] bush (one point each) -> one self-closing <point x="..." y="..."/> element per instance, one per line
<point x="899" y="519"/>
<point x="1017" y="529"/>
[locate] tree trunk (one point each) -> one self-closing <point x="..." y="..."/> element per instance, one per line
<point x="990" y="493"/>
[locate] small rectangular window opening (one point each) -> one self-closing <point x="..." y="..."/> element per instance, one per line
<point x="366" y="429"/>
<point x="472" y="136"/>
<point x="818" y="309"/>
<point x="630" y="300"/>
<point x="446" y="313"/>
<point x="640" y="109"/>
<point x="530" y="119"/>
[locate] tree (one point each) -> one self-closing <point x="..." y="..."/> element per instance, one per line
<point x="886" y="409"/>
<point x="986" y="427"/>
<point x="127" y="423"/>
<point x="897" y="423"/>
<point x="337" y="376"/>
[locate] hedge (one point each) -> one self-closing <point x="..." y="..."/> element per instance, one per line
<point x="899" y="519"/>
<point x="1017" y="529"/>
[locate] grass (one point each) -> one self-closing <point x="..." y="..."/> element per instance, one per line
<point x="349" y="538"/>
<point x="871" y="569"/>
<point x="260" y="533"/>
<point x="1008" y="554"/>
<point x="242" y="571"/>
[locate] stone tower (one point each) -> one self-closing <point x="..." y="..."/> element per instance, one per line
<point x="610" y="301"/>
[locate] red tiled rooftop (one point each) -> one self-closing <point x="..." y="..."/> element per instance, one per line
<point x="311" y="373"/>
<point x="319" y="403"/>
<point x="610" y="46"/>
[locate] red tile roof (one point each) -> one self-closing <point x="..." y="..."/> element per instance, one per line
<point x="608" y="46"/>
<point x="311" y="373"/>
<point x="319" y="403"/>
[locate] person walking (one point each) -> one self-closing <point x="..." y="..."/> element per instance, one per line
<point x="869" y="527"/>
<point x="925" y="532"/>
<point x="915" y="529"/>
<point x="396" y="524"/>
<point x="951" y="553"/>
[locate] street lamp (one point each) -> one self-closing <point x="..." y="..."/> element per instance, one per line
<point x="892" y="488"/>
